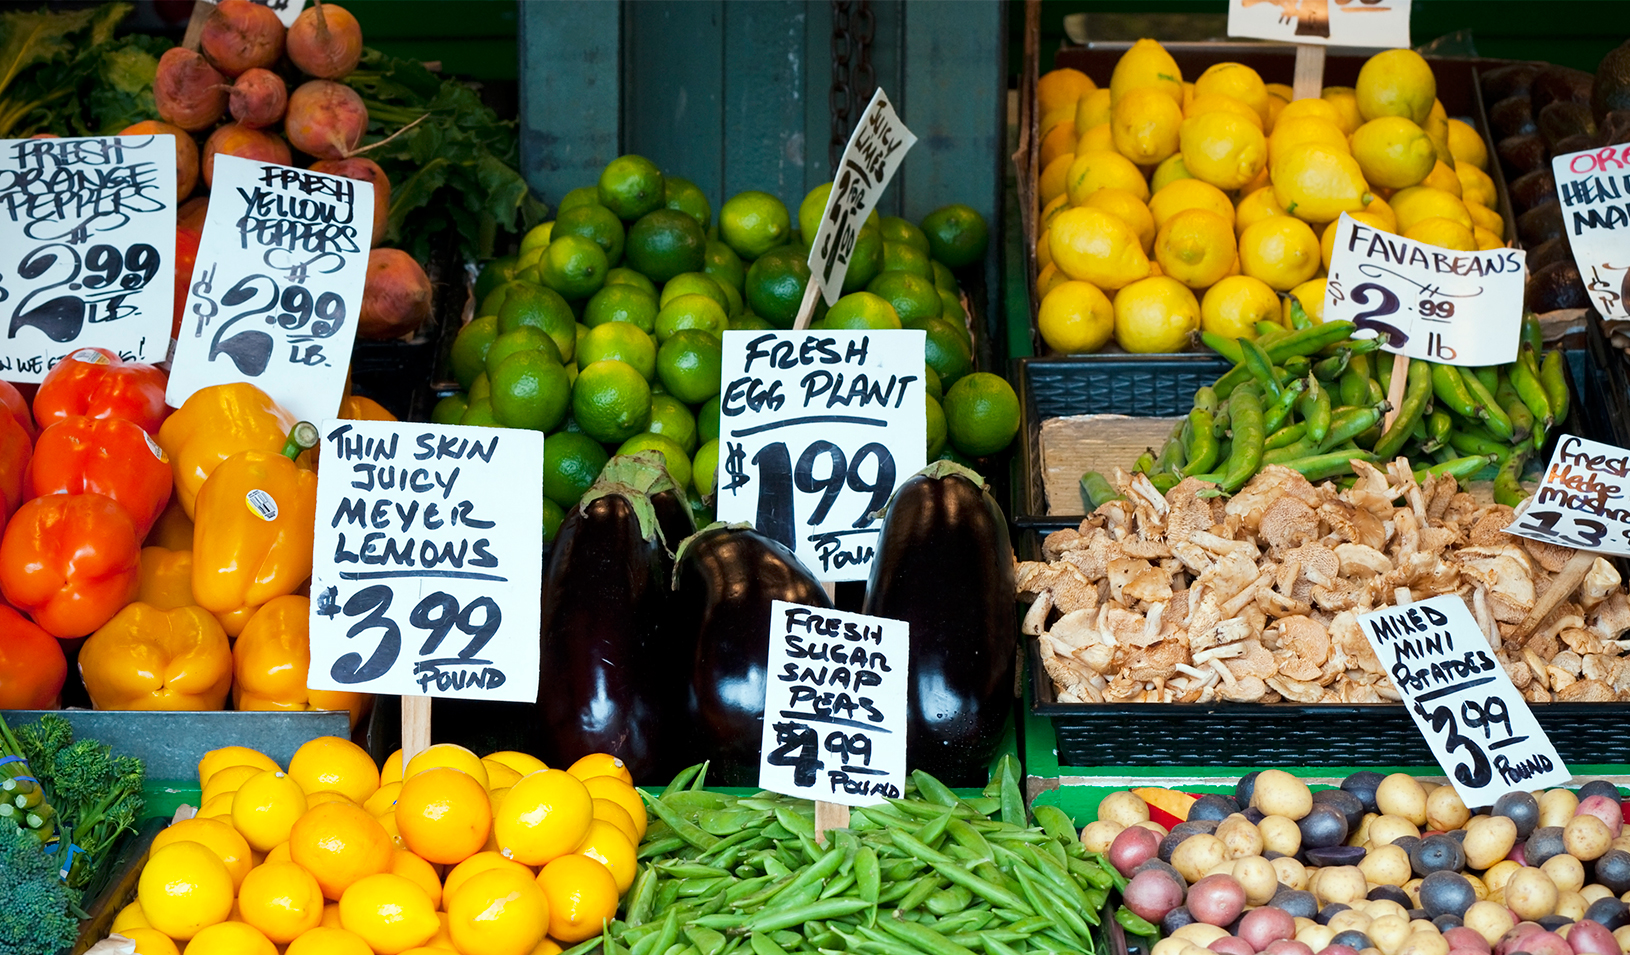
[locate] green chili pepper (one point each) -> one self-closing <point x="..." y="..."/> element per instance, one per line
<point x="1508" y="489"/>
<point x="1556" y="384"/>
<point x="1314" y="408"/>
<point x="1416" y="392"/>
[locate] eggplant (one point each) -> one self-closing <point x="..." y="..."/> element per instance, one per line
<point x="945" y="566"/>
<point x="725" y="579"/>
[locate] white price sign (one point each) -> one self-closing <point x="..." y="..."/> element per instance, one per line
<point x="1455" y="308"/>
<point x="287" y="11"/>
<point x="428" y="563"/>
<point x="816" y="429"/>
<point x="87" y="249"/>
<point x="1479" y="727"/>
<point x="1594" y="188"/>
<point x="1366" y="23"/>
<point x="277" y="287"/>
<point x="835" y="706"/>
<point x="876" y="147"/>
<point x="1580" y="502"/>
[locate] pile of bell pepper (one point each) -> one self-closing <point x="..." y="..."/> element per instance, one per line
<point x="171" y="549"/>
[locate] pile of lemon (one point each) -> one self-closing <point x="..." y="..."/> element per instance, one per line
<point x="1169" y="206"/>
<point x="453" y="853"/>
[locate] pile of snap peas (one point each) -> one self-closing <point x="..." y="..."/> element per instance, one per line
<point x="928" y="874"/>
<point x="1315" y="400"/>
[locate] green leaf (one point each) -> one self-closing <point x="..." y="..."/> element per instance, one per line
<point x="29" y="37"/>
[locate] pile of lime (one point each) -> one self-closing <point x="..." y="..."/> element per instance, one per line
<point x="603" y="331"/>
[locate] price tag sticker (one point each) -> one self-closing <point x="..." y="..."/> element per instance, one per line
<point x="1366" y="23"/>
<point x="428" y="563"/>
<point x="835" y="706"/>
<point x="1455" y="308"/>
<point x="1581" y="501"/>
<point x="1594" y="188"/>
<point x="277" y="286"/>
<point x="816" y="428"/>
<point x="876" y="147"/>
<point x="287" y="11"/>
<point x="87" y="249"/>
<point x="1477" y="724"/>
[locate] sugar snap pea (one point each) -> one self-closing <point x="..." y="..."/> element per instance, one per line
<point x="922" y="937"/>
<point x="769" y="921"/>
<point x="984" y="888"/>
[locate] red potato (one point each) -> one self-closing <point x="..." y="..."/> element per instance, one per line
<point x="1264" y="926"/>
<point x="1152" y="893"/>
<point x="188" y="91"/>
<point x="1592" y="938"/>
<point x="1546" y="943"/>
<point x="258" y="98"/>
<point x="358" y="167"/>
<point x="1132" y="848"/>
<point x="186" y="153"/>
<point x="325" y="119"/>
<point x="396" y="297"/>
<point x="1605" y="809"/>
<point x="325" y="41"/>
<point x="1232" y="945"/>
<point x="1462" y="938"/>
<point x="1288" y="946"/>
<point x="235" y="140"/>
<point x="1217" y="899"/>
<point x="240" y="35"/>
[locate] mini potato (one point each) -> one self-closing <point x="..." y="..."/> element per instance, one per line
<point x="1388" y="828"/>
<point x="1342" y="884"/>
<point x="1426" y="942"/>
<point x="1197" y="855"/>
<point x="1241" y="839"/>
<point x="1258" y="877"/>
<point x="1556" y="807"/>
<point x="1400" y="794"/>
<point x="1199" y="933"/>
<point x="1531" y="894"/>
<point x="1280" y="834"/>
<point x="1278" y="793"/>
<point x="1478" y="888"/>
<point x="1376" y="908"/>
<point x="1097" y="836"/>
<point x="1586" y="837"/>
<point x="1170" y="945"/>
<point x="1123" y="807"/>
<point x="1594" y="892"/>
<point x="1351" y="920"/>
<point x="1488" y="919"/>
<point x="1444" y="809"/>
<point x="1488" y="840"/>
<point x="1361" y="835"/>
<point x="1292" y="873"/>
<point x="1154" y="827"/>
<point x="1566" y="872"/>
<point x="1389" y="933"/>
<point x="1497" y="875"/>
<point x="1571" y="905"/>
<point x="1317" y="937"/>
<point x="1622" y="936"/>
<point x="1388" y="865"/>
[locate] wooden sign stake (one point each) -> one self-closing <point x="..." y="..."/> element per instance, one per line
<point x="806" y="308"/>
<point x="1309" y="76"/>
<point x="415" y="726"/>
<point x="1395" y="392"/>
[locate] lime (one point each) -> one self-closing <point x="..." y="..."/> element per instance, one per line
<point x="479" y="414"/>
<point x="552" y="518"/>
<point x="723" y="265"/>
<point x="469" y="353"/>
<point x="748" y="322"/>
<point x="707" y="420"/>
<point x="630" y="186"/>
<point x="699" y="509"/>
<point x="480" y="388"/>
<point x="536" y="237"/>
<point x="594" y="222"/>
<point x="581" y="196"/>
<point x="626" y="276"/>
<point x="944" y="349"/>
<point x="943" y="279"/>
<point x="689" y="364"/>
<point x="753" y="223"/>
<point x="936" y="427"/>
<point x="574" y="266"/>
<point x="736" y="306"/>
<point x="866" y="261"/>
<point x="693" y="283"/>
<point x="449" y="409"/>
<point x="669" y="416"/>
<point x="525" y="338"/>
<point x="675" y="459"/>
<point x="896" y="229"/>
<point x="623" y="341"/>
<point x="911" y="295"/>
<point x="494" y="274"/>
<point x="533" y="306"/>
<point x="931" y="382"/>
<point x="611" y="401"/>
<point x="812" y="208"/>
<point x="622" y="303"/>
<point x="902" y="257"/>
<point x="494" y="300"/>
<point x="951" y="308"/>
<point x="685" y="196"/>
<point x="530" y="390"/>
<point x="571" y="462"/>
<point x="704" y="469"/>
<point x="665" y="243"/>
<point x="862" y="310"/>
<point x="957" y="235"/>
<point x="981" y="414"/>
<point x="691" y="311"/>
<point x="775" y="286"/>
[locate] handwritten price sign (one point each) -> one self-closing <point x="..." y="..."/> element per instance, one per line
<point x="277" y="286"/>
<point x="835" y="706"/>
<point x="287" y="11"/>
<point x="1456" y="308"/>
<point x="1369" y="23"/>
<point x="87" y="240"/>
<point x="1581" y="501"/>
<point x="1479" y="728"/>
<point x="428" y="563"/>
<point x="876" y="148"/>
<point x="1595" y="196"/>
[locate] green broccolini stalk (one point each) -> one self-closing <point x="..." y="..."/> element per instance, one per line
<point x="98" y="797"/>
<point x="24" y="796"/>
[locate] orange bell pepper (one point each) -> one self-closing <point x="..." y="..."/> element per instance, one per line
<point x="151" y="659"/>
<point x="270" y="661"/>
<point x="214" y="424"/>
<point x="173" y="529"/>
<point x="166" y="578"/>
<point x="70" y="561"/>
<point x="97" y="383"/>
<point x="358" y="408"/>
<point x="252" y="535"/>
<point x="16" y="449"/>
<point x="108" y="456"/>
<point x="32" y="667"/>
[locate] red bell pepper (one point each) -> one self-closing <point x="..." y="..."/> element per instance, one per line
<point x="15" y="451"/>
<point x="96" y="383"/>
<point x="13" y="403"/>
<point x="107" y="456"/>
<point x="70" y="561"/>
<point x="32" y="666"/>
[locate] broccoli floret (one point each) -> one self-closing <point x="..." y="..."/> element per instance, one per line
<point x="35" y="906"/>
<point x="41" y="740"/>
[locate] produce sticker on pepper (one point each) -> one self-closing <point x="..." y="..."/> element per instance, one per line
<point x="1476" y="723"/>
<point x="1455" y="308"/>
<point x="1594" y="189"/>
<point x="876" y="148"/>
<point x="428" y="566"/>
<point x="87" y="246"/>
<point x="277" y="287"/>
<point x="815" y="431"/>
<point x="1581" y="501"/>
<point x="835" y="706"/>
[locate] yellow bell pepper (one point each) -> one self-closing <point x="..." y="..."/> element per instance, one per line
<point x="270" y="661"/>
<point x="252" y="535"/>
<point x="173" y="529"/>
<point x="146" y="658"/>
<point x="358" y="408"/>
<point x="214" y="424"/>
<point x="166" y="578"/>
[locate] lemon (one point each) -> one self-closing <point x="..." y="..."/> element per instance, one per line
<point x="1467" y="146"/>
<point x="1049" y="278"/>
<point x="500" y="912"/>
<point x="1044" y="253"/>
<point x="443" y="815"/>
<point x="1327" y="241"/>
<point x="1281" y="251"/>
<point x="389" y="912"/>
<point x="1412" y="205"/>
<point x="1093" y="246"/>
<point x="1476" y="187"/>
<point x="281" y="899"/>
<point x="1075" y="318"/>
<point x="1143" y="125"/>
<point x="1232" y="307"/>
<point x="1485" y="218"/>
<point x="383" y="800"/>
<point x="612" y="848"/>
<point x="1156" y="314"/>
<point x="1446" y="233"/>
<point x="1059" y="204"/>
<point x="1196" y="247"/>
<point x="332" y="763"/>
<point x="1101" y="169"/>
<point x="582" y="895"/>
<point x="524" y="763"/>
<point x="266" y="807"/>
<point x="1092" y="110"/>
<point x="391" y="772"/>
<point x="1276" y="107"/>
<point x="1345" y="100"/>
<point x="1393" y="152"/>
<point x="1223" y="149"/>
<point x="218" y="759"/>
<point x="1281" y="90"/>
<point x="1236" y="80"/>
<point x="545" y="816"/>
<point x="1146" y="64"/>
<point x="1219" y="103"/>
<point x="1099" y="137"/>
<point x="1058" y="141"/>
<point x="1189" y="194"/>
<point x="216" y="836"/>
<point x="1255" y="207"/>
<point x="183" y="889"/>
<point x="1310" y="295"/>
<point x="1310" y="107"/>
<point x="1169" y="171"/>
<point x="339" y="844"/>
<point x="446" y="754"/>
<point x="1062" y="87"/>
<point x="1396" y="83"/>
<point x="1316" y="183"/>
<point x="329" y="940"/>
<point x="1437" y="128"/>
<point x="129" y="917"/>
<point x="1129" y="209"/>
<point x="1050" y="185"/>
<point x="231" y="938"/>
<point x="1487" y="240"/>
<point x="1444" y="178"/>
<point x="1303" y="129"/>
<point x="1379" y="208"/>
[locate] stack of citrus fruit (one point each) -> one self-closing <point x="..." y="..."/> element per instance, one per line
<point x="1168" y="206"/>
<point x="495" y="855"/>
<point x="604" y="331"/>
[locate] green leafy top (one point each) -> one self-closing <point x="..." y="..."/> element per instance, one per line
<point x="67" y="73"/>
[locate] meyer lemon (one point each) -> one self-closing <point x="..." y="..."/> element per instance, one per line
<point x="227" y="780"/>
<point x="278" y="853"/>
<point x="1276" y="108"/>
<point x="149" y="941"/>
<point x="1309" y="295"/>
<point x="1051" y="183"/>
<point x="265" y="808"/>
<point x="1317" y="183"/>
<point x="1396" y="83"/>
<point x="1146" y="64"/>
<point x="524" y="763"/>
<point x="1092" y="110"/>
<point x="500" y="912"/>
<point x="607" y="845"/>
<point x="1304" y="129"/>
<point x="1255" y="207"/>
<point x="1049" y="278"/>
<point x="331" y="915"/>
<point x="1049" y="212"/>
<point x="1093" y="246"/>
<point x="443" y="815"/>
<point x="1059" y="141"/>
<point x="218" y="759"/>
<point x="391" y="913"/>
<point x="281" y="899"/>
<point x="446" y="754"/>
<point x="391" y="772"/>
<point x="1311" y="106"/>
<point x="1476" y="187"/>
<point x="231" y="938"/>
<point x="1144" y="125"/>
<point x="338" y="844"/>
<point x="1127" y="208"/>
<point x="1223" y="149"/>
<point x="1487" y="240"/>
<point x="601" y="764"/>
<point x="1236" y="80"/>
<point x="1156" y="314"/>
<point x="1189" y="194"/>
<point x="1062" y="87"/>
<point x="1169" y="171"/>
<point x="1232" y="307"/>
<point x="328" y="795"/>
<point x="548" y="947"/>
<point x="1327" y="241"/>
<point x="547" y="814"/>
<point x="383" y="801"/>
<point x="1345" y="100"/>
<point x="1044" y="252"/>
<point x="1467" y="146"/>
<point x="421" y="873"/>
<point x="1218" y="103"/>
<point x="1196" y="247"/>
<point x="219" y="806"/>
<point x="129" y="917"/>
<point x="1393" y="152"/>
<point x="1075" y="318"/>
<point x="1281" y="251"/>
<point x="475" y="865"/>
<point x="1445" y="233"/>
<point x="1411" y="205"/>
<point x="605" y="787"/>
<point x="216" y="836"/>
<point x="608" y="811"/>
<point x="339" y="765"/>
<point x="183" y="888"/>
<point x="500" y="776"/>
<point x="1099" y="169"/>
<point x="329" y="940"/>
<point x="582" y="894"/>
<point x="1101" y="136"/>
